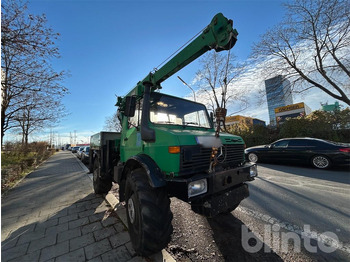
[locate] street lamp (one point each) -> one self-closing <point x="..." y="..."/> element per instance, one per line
<point x="194" y="93"/>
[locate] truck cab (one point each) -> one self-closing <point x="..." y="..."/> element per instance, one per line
<point x="182" y="149"/>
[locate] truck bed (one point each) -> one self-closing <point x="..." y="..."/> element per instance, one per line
<point x="97" y="141"/>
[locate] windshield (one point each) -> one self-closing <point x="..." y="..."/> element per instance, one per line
<point x="175" y="111"/>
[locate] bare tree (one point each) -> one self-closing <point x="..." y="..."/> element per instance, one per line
<point x="112" y="123"/>
<point x="311" y="47"/>
<point x="216" y="83"/>
<point x="28" y="46"/>
<point x="216" y="79"/>
<point x="38" y="112"/>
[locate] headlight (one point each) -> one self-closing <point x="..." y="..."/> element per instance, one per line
<point x="197" y="187"/>
<point x="253" y="171"/>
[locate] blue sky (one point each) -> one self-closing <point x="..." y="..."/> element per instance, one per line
<point x="108" y="46"/>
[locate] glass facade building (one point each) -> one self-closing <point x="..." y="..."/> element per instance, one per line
<point x="278" y="93"/>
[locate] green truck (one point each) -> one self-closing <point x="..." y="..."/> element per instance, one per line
<point x="168" y="147"/>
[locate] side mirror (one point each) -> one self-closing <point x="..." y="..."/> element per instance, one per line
<point x="211" y="117"/>
<point x="130" y="106"/>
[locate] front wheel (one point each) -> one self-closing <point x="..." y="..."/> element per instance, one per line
<point x="321" y="162"/>
<point x="148" y="214"/>
<point x="253" y="157"/>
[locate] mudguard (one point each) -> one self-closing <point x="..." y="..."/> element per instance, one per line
<point x="154" y="175"/>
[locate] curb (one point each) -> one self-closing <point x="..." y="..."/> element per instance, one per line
<point x="162" y="256"/>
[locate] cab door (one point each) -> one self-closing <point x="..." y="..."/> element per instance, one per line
<point x="131" y="143"/>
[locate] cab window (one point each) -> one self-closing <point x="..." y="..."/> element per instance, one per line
<point x="135" y="121"/>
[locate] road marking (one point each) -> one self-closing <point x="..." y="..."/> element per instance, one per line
<point x="296" y="229"/>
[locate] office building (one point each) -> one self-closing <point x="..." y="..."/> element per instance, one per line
<point x="278" y="94"/>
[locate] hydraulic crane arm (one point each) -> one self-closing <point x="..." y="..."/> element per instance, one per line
<point x="218" y="35"/>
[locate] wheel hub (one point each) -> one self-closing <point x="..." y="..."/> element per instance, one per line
<point x="320" y="162"/>
<point x="131" y="210"/>
<point x="253" y="158"/>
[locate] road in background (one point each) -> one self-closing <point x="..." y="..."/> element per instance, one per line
<point x="283" y="200"/>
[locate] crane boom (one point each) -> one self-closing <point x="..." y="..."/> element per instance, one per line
<point x="218" y="35"/>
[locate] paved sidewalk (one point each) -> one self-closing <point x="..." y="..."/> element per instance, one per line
<point x="53" y="215"/>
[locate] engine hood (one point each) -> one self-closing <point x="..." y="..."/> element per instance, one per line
<point x="192" y="136"/>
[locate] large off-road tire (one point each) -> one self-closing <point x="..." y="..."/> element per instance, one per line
<point x="102" y="184"/>
<point x="148" y="214"/>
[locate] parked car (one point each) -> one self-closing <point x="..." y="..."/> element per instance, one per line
<point x="75" y="149"/>
<point x="79" y="151"/>
<point x="317" y="152"/>
<point x="85" y="155"/>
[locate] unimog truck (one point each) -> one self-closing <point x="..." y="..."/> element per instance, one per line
<point x="169" y="147"/>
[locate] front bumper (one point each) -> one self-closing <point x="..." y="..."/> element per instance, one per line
<point x="227" y="201"/>
<point x="218" y="183"/>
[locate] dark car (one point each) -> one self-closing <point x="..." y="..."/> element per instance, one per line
<point x="75" y="149"/>
<point x="85" y="155"/>
<point x="317" y="152"/>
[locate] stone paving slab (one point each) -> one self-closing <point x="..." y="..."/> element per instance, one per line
<point x="53" y="215"/>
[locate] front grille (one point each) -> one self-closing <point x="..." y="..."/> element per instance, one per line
<point x="196" y="159"/>
<point x="234" y="154"/>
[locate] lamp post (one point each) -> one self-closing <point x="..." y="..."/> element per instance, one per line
<point x="194" y="93"/>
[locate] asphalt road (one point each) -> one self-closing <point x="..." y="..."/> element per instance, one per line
<point x="309" y="207"/>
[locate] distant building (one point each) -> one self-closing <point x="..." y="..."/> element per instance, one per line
<point x="237" y="119"/>
<point x="258" y="122"/>
<point x="278" y="94"/>
<point x="331" y="108"/>
<point x="290" y="111"/>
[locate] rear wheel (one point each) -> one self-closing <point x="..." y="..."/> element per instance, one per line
<point x="320" y="161"/>
<point x="253" y="157"/>
<point x="102" y="184"/>
<point x="148" y="214"/>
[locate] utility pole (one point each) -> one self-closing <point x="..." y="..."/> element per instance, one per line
<point x="50" y="142"/>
